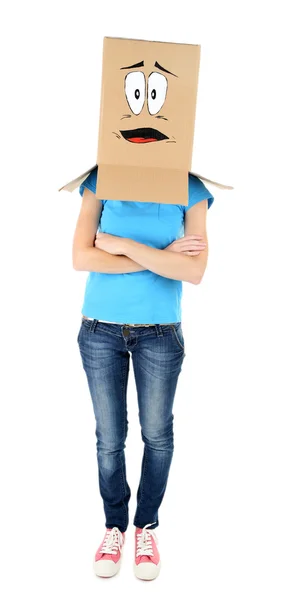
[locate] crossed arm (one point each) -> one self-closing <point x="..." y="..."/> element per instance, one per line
<point x="173" y="265"/>
<point x="134" y="256"/>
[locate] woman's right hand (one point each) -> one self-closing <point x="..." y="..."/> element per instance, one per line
<point x="191" y="245"/>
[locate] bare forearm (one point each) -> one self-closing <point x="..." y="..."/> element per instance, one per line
<point x="94" y="259"/>
<point x="173" y="265"/>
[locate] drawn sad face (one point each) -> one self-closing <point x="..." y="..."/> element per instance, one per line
<point x="145" y="97"/>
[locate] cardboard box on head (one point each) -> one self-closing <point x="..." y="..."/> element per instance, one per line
<point x="147" y="119"/>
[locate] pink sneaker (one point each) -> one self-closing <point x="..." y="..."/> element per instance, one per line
<point x="108" y="557"/>
<point x="147" y="560"/>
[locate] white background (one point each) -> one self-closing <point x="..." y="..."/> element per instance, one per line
<point x="222" y="531"/>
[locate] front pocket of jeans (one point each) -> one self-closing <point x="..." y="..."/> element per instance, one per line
<point x="85" y="326"/>
<point x="86" y="322"/>
<point x="178" y="336"/>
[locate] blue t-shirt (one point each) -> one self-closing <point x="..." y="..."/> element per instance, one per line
<point x="144" y="296"/>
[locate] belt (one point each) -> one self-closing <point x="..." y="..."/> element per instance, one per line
<point x="128" y="324"/>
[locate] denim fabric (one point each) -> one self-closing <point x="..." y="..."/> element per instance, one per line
<point x="157" y="354"/>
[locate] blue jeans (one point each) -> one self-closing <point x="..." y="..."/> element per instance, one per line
<point x="157" y="354"/>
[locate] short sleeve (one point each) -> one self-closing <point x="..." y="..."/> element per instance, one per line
<point x="197" y="191"/>
<point x="90" y="182"/>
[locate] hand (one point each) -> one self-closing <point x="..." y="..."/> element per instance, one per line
<point x="109" y="243"/>
<point x="191" y="245"/>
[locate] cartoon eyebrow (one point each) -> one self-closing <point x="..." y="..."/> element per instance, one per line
<point x="140" y="64"/>
<point x="162" y="69"/>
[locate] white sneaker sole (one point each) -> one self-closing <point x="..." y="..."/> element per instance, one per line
<point x="107" y="568"/>
<point x="147" y="570"/>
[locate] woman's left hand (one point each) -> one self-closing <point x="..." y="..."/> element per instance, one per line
<point x="110" y="243"/>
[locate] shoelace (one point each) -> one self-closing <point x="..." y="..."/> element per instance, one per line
<point x="144" y="542"/>
<point x="112" y="541"/>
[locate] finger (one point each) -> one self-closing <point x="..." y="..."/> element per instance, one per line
<point x="186" y="238"/>
<point x="196" y="249"/>
<point x="193" y="245"/>
<point x="192" y="241"/>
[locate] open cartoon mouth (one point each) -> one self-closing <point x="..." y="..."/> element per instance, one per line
<point x="143" y="135"/>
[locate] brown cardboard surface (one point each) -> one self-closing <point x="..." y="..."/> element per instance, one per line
<point x="72" y="185"/>
<point x="144" y="184"/>
<point x="147" y="120"/>
<point x="175" y="117"/>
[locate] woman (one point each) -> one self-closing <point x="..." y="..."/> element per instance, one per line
<point x="132" y="305"/>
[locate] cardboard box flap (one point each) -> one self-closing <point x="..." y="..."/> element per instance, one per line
<point x="116" y="172"/>
<point x="72" y="185"/>
<point x="222" y="186"/>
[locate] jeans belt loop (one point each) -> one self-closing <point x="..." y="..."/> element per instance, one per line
<point x="93" y="325"/>
<point x="158" y="329"/>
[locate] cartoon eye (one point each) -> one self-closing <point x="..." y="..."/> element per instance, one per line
<point x="135" y="91"/>
<point x="157" y="88"/>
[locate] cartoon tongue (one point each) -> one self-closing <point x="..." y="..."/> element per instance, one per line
<point x="143" y="135"/>
<point x="141" y="140"/>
